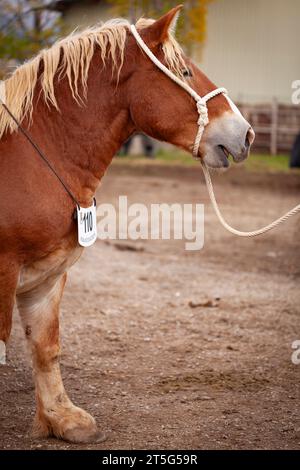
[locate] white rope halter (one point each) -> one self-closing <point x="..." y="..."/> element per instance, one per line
<point x="200" y="101"/>
<point x="202" y="122"/>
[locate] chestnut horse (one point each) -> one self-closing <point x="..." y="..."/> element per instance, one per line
<point x="80" y="101"/>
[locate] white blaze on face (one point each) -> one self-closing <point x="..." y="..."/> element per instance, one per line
<point x="2" y="353"/>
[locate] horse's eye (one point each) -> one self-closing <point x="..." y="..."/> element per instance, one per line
<point x="187" y="73"/>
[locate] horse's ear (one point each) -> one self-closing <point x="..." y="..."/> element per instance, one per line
<point x="158" y="31"/>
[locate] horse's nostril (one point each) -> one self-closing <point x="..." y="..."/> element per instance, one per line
<point x="249" y="137"/>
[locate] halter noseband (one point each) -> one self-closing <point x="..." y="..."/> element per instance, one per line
<point x="200" y="101"/>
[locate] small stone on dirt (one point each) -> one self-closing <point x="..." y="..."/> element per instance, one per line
<point x="211" y="303"/>
<point x="128" y="247"/>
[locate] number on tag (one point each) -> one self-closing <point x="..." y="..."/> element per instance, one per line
<point x="87" y="225"/>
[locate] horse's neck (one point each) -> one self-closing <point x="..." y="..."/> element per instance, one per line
<point x="82" y="140"/>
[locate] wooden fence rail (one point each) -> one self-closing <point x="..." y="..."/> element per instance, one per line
<point x="276" y="125"/>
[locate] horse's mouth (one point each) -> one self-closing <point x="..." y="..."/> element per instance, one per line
<point x="224" y="150"/>
<point x="236" y="157"/>
<point x="218" y="156"/>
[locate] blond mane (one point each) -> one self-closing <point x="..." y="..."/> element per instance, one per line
<point x="71" y="57"/>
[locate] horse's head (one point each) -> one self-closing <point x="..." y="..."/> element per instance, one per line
<point x="162" y="109"/>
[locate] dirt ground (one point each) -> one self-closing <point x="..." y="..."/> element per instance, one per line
<point x="156" y="372"/>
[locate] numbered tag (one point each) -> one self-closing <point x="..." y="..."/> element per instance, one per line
<point x="87" y="225"/>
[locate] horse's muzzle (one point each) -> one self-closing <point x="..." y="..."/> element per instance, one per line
<point x="227" y="135"/>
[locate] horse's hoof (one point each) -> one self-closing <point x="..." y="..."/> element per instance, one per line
<point x="82" y="436"/>
<point x="71" y="424"/>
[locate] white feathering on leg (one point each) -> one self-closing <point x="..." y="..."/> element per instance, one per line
<point x="2" y="353"/>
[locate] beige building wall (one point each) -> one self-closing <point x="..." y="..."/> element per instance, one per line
<point x="253" y="48"/>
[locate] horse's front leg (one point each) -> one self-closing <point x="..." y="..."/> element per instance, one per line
<point x="56" y="415"/>
<point x="9" y="274"/>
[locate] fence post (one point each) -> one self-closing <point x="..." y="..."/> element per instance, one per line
<point x="274" y="126"/>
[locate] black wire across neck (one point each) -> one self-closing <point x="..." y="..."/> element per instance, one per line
<point x="41" y="154"/>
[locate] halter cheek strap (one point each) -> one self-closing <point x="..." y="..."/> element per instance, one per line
<point x="200" y="101"/>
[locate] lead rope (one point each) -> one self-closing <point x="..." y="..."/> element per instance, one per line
<point x="202" y="122"/>
<point x="233" y="230"/>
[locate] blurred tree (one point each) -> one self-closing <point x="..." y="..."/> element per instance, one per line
<point x="191" y="28"/>
<point x="25" y="27"/>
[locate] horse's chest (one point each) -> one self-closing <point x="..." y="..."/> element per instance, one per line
<point x="53" y="265"/>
